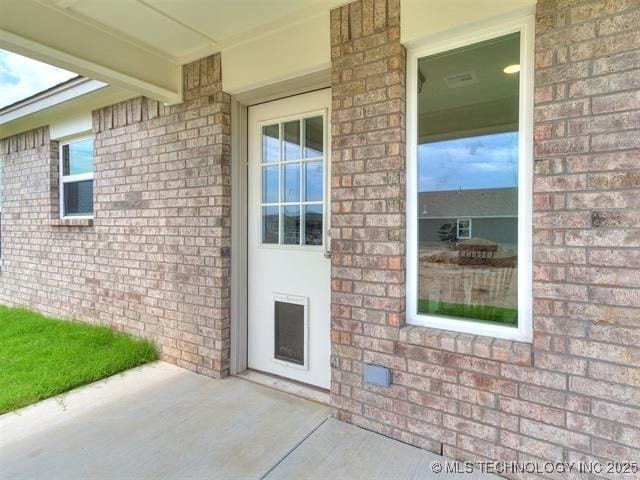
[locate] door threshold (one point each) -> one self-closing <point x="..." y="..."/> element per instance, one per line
<point x="308" y="392"/>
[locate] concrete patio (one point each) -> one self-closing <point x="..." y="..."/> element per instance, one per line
<point x="162" y="422"/>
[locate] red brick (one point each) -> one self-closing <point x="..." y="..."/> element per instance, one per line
<point x="467" y="427"/>
<point x="556" y="435"/>
<point x="530" y="445"/>
<point x="605" y="390"/>
<point x="615" y="412"/>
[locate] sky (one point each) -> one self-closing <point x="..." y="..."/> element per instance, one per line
<point x="488" y="161"/>
<point x="21" y="77"/>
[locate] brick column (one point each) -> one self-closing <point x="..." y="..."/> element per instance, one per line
<point x="163" y="180"/>
<point x="367" y="198"/>
<point x="587" y="214"/>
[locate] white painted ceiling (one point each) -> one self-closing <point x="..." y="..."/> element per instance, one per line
<point x="484" y="60"/>
<point x="188" y="29"/>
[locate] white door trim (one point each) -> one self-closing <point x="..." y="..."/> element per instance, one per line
<point x="239" y="178"/>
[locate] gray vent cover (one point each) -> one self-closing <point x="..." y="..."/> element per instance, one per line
<point x="377" y="375"/>
<point x="460" y="79"/>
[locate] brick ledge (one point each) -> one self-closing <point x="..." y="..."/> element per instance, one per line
<point x="72" y="222"/>
<point x="508" y="351"/>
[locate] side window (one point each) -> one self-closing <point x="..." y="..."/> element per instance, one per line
<point x="76" y="178"/>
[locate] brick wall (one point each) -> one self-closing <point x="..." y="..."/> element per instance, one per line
<point x="586" y="211"/>
<point x="155" y="260"/>
<point x="574" y="394"/>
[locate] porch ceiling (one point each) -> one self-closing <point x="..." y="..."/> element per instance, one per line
<point x="140" y="45"/>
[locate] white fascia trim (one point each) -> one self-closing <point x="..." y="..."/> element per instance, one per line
<point x="49" y="98"/>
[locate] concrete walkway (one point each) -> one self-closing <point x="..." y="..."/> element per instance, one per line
<point x="162" y="422"/>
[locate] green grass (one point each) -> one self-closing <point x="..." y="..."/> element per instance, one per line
<point x="507" y="316"/>
<point x="41" y="357"/>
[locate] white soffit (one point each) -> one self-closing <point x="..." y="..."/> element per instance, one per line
<point x="222" y="21"/>
<point x="140" y="45"/>
<point x="178" y="29"/>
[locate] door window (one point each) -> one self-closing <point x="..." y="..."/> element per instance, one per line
<point x="292" y="172"/>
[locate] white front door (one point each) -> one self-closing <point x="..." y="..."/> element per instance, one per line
<point x="289" y="274"/>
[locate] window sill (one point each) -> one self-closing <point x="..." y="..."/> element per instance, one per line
<point x="498" y="349"/>
<point x="72" y="222"/>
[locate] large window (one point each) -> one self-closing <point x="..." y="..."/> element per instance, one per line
<point x="76" y="178"/>
<point x="469" y="260"/>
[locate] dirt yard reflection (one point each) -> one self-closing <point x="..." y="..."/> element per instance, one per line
<point x="474" y="279"/>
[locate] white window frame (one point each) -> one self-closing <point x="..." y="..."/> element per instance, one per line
<point x="524" y="331"/>
<point x="62" y="179"/>
<point x="469" y="227"/>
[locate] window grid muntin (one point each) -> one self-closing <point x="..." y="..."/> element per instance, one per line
<point x="302" y="161"/>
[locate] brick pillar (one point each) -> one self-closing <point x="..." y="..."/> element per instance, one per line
<point x="367" y="198"/>
<point x="174" y="162"/>
<point x="587" y="214"/>
<point x="211" y="152"/>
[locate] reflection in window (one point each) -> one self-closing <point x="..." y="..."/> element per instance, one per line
<point x="270" y="184"/>
<point x="292" y="140"/>
<point x="78" y="198"/>
<point x="270" y="143"/>
<point x="270" y="225"/>
<point x="468" y="182"/>
<point x="313" y="181"/>
<point x="313" y="224"/>
<point x="77" y="157"/>
<point x="314" y="137"/>
<point x="291" y="182"/>
<point x="291" y="230"/>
